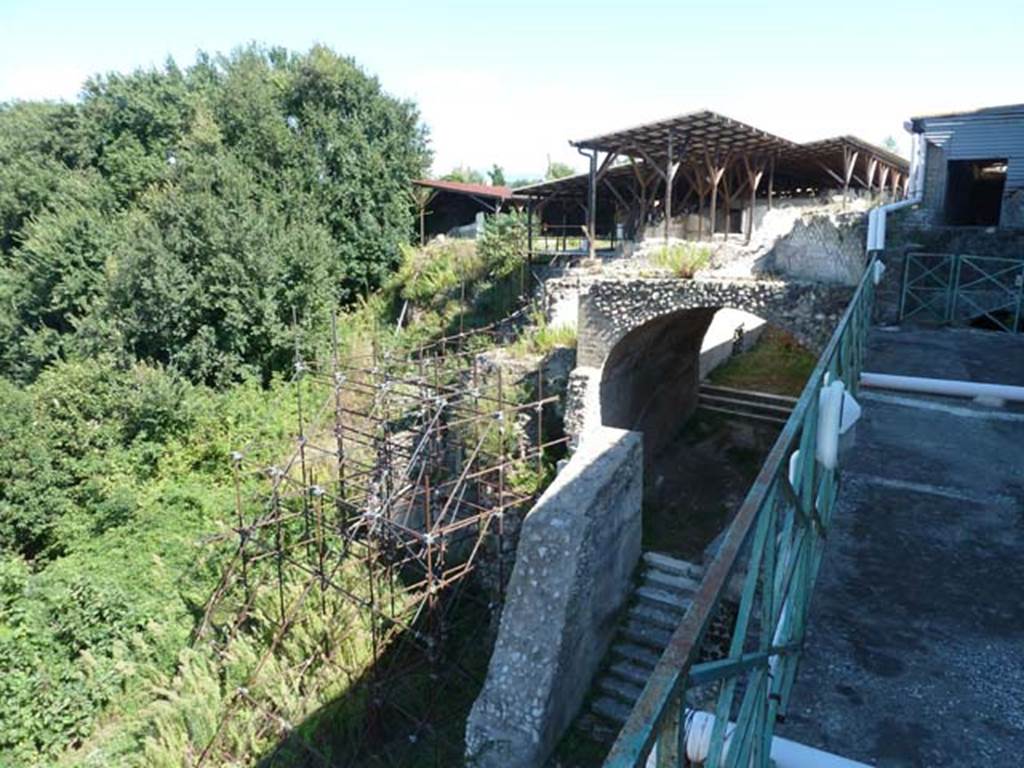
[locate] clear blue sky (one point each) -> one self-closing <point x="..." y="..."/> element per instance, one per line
<point x="512" y="82"/>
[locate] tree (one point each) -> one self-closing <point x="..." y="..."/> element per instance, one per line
<point x="524" y="182"/>
<point x="181" y="216"/>
<point x="557" y="170"/>
<point x="890" y="143"/>
<point x="497" y="175"/>
<point x="463" y="174"/>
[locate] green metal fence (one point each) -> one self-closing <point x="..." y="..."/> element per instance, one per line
<point x="773" y="547"/>
<point x="959" y="289"/>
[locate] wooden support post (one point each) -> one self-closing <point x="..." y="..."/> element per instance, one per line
<point x="423" y="197"/>
<point x="883" y="178"/>
<point x="771" y="181"/>
<point x="592" y="207"/>
<point x="715" y="172"/>
<point x="896" y="183"/>
<point x="849" y="162"/>
<point x="694" y="174"/>
<point x="643" y="181"/>
<point x="671" y="166"/>
<point x="870" y="178"/>
<point x="754" y="173"/>
<point x="529" y="235"/>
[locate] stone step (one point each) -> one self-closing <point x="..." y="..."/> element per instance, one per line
<point x="769" y="409"/>
<point x="680" y="584"/>
<point x="642" y="613"/>
<point x="748" y="395"/>
<point x="623" y="690"/>
<point x="646" y="635"/>
<point x="673" y="565"/>
<point x="660" y="598"/>
<point x="632" y="673"/>
<point x="635" y="654"/>
<point x="742" y="413"/>
<point x="611" y="709"/>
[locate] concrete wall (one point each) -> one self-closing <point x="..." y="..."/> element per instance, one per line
<point x="577" y="552"/>
<point x="650" y="380"/>
<point x="731" y="331"/>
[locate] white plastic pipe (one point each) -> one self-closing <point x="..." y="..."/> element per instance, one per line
<point x="784" y="753"/>
<point x="949" y="387"/>
<point x="876" y="222"/>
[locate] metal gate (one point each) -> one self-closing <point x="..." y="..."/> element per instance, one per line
<point x="960" y="289"/>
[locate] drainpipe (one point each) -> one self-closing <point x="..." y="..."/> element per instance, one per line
<point x="876" y="216"/>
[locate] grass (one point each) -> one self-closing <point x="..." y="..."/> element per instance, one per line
<point x="777" y="364"/>
<point x="682" y="259"/>
<point x="541" y="338"/>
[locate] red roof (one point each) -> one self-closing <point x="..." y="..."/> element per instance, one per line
<point x="480" y="190"/>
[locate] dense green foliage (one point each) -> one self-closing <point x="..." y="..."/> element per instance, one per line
<point x="157" y="238"/>
<point x="181" y="217"/>
<point x="109" y="479"/>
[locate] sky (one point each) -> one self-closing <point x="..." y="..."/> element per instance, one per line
<point x="512" y="82"/>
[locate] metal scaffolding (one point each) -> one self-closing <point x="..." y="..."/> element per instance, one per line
<point x="390" y="518"/>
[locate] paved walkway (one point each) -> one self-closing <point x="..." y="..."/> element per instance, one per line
<point x="915" y="649"/>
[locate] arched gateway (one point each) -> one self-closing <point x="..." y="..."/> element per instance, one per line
<point x="640" y="342"/>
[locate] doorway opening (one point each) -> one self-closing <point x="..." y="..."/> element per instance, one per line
<point x="974" y="192"/>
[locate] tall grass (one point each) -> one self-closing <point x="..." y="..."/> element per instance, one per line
<point x="682" y="259"/>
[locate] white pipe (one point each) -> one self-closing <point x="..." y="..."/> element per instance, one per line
<point x="950" y="387"/>
<point x="784" y="753"/>
<point x="876" y="221"/>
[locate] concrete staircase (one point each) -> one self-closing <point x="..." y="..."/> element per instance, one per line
<point x="741" y="403"/>
<point x="665" y="590"/>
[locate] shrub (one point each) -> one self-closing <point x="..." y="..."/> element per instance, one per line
<point x="682" y="259"/>
<point x="502" y="245"/>
<point x="540" y="338"/>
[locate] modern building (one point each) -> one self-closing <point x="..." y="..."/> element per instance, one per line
<point x="968" y="167"/>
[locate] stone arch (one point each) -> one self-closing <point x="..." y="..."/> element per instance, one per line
<point x="650" y="379"/>
<point x="638" y="352"/>
<point x="612" y="309"/>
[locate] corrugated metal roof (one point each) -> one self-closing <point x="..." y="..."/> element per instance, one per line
<point x="480" y="190"/>
<point x="1005" y="109"/>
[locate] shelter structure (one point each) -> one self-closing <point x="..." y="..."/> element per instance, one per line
<point x="702" y="171"/>
<point x="969" y="166"/>
<point x="444" y="207"/>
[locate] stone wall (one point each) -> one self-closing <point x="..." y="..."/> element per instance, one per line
<point x="934" y="198"/>
<point x="577" y="552"/>
<point x="821" y="247"/>
<point x="613" y="308"/>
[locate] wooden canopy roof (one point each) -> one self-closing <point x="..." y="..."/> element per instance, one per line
<point x="825" y="149"/>
<point x="694" y="132"/>
<point x="569" y="186"/>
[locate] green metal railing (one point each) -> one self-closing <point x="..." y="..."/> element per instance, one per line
<point x="958" y="288"/>
<point x="774" y="546"/>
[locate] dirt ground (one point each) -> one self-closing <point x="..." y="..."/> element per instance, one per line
<point x="699" y="481"/>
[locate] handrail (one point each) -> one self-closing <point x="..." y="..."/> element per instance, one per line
<point x="778" y="534"/>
